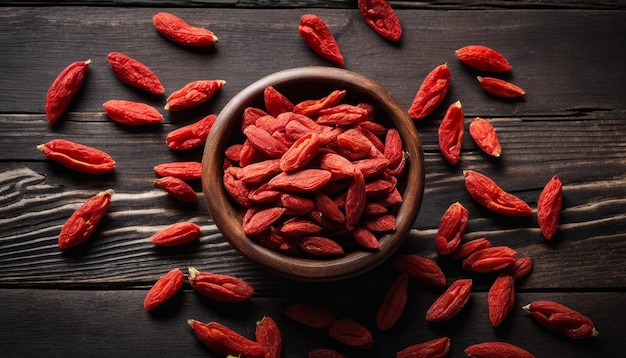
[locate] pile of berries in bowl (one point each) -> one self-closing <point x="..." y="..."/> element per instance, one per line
<point x="314" y="173"/>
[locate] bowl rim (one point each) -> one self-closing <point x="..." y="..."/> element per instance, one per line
<point x="227" y="217"/>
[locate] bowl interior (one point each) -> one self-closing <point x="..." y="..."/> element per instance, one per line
<point x="299" y="84"/>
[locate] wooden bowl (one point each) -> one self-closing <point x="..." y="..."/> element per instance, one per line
<point x="298" y="84"/>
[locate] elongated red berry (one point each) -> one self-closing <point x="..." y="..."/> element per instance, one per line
<point x="181" y="32"/>
<point x="83" y="222"/>
<point x="78" y="157"/>
<point x="320" y="39"/>
<point x="164" y="289"/>
<point x="451" y="131"/>
<point x="63" y="89"/>
<point x="381" y="17"/>
<point x="549" y="207"/>
<point x="483" y="58"/>
<point x="499" y="87"/>
<point x="485" y="136"/>
<point x="176" y="234"/>
<point x="431" y="93"/>
<point x="135" y="73"/>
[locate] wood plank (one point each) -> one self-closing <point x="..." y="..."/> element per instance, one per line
<point x="397" y="4"/>
<point x="104" y="323"/>
<point x="556" y="73"/>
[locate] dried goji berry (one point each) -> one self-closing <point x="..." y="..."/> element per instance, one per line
<point x="250" y="115"/>
<point x="192" y="135"/>
<point x="272" y="124"/>
<point x="276" y="102"/>
<point x="391" y="308"/>
<point x="500" y="299"/>
<point x="353" y="144"/>
<point x="485" y="136"/>
<point x="431" y="93"/>
<point x="450" y="132"/>
<point x="319" y="246"/>
<point x="225" y="341"/>
<point x="355" y="198"/>
<point x="393" y="198"/>
<point x="487" y="193"/>
<point x="177" y="188"/>
<point x="372" y="208"/>
<point x="370" y="124"/>
<point x="379" y="187"/>
<point x="561" y="319"/>
<point x="306" y="180"/>
<point x="491" y="259"/>
<point x="470" y="247"/>
<point x="483" y="58"/>
<point x="499" y="87"/>
<point x="268" y="335"/>
<point x="365" y="239"/>
<point x="237" y="190"/>
<point x="262" y="193"/>
<point x="342" y="115"/>
<point x="224" y="288"/>
<point x="371" y="166"/>
<point x="298" y="226"/>
<point x="549" y="207"/>
<point x="451" y="229"/>
<point x="264" y="142"/>
<point x="277" y="241"/>
<point x="496" y="350"/>
<point x="163" y="289"/>
<point x="249" y="154"/>
<point x="351" y="333"/>
<point x="520" y="267"/>
<point x="181" y="32"/>
<point x="300" y="125"/>
<point x="296" y="205"/>
<point x="381" y="17"/>
<point x="300" y="153"/>
<point x="233" y="152"/>
<point x="256" y="221"/>
<point x="176" y="234"/>
<point x="193" y="94"/>
<point x="83" y="222"/>
<point x="78" y="157"/>
<point x="135" y="73"/>
<point x="379" y="223"/>
<point x="328" y="208"/>
<point x="420" y="268"/>
<point x="132" y="113"/>
<point x="451" y="301"/>
<point x="260" y="171"/>
<point x="435" y="348"/>
<point x="320" y="39"/>
<point x="396" y="142"/>
<point x="63" y="89"/>
<point x="312" y="107"/>
<point x="180" y="170"/>
<point x="310" y="315"/>
<point x="393" y="149"/>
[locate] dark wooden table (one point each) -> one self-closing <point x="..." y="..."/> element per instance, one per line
<point x="568" y="56"/>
